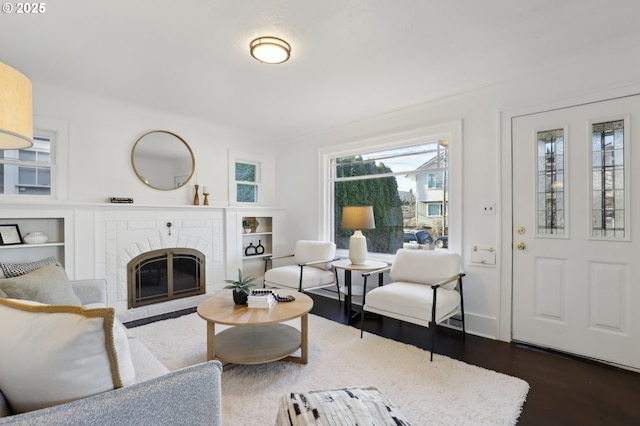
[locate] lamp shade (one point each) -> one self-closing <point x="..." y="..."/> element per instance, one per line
<point x="358" y="217"/>
<point x="16" y="114"/>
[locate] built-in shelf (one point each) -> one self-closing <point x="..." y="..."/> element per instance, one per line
<point x="30" y="246"/>
<point x="53" y="227"/>
<point x="256" y="256"/>
<point x="253" y="264"/>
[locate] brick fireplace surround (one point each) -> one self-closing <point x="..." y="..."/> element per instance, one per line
<point x="123" y="236"/>
<point x="97" y="240"/>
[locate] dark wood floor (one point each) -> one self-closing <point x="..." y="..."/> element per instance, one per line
<point x="564" y="390"/>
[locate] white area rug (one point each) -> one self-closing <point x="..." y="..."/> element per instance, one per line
<point x="442" y="392"/>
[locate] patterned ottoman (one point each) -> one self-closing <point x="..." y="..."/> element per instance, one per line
<point x="362" y="406"/>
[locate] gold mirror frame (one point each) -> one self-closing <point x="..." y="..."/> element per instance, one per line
<point x="160" y="163"/>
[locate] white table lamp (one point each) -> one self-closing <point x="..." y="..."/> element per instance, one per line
<point x="357" y="218"/>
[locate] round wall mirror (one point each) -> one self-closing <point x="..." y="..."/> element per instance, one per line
<point x="162" y="160"/>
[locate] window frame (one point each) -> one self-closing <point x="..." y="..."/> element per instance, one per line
<point x="451" y="131"/>
<point x="59" y="154"/>
<point x="627" y="177"/>
<point x="431" y="178"/>
<point x="254" y="183"/>
<point x="434" y="204"/>
<point x="262" y="166"/>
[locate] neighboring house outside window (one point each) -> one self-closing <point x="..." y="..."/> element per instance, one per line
<point x="28" y="171"/>
<point x="432" y="194"/>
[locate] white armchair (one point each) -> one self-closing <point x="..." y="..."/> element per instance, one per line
<point x="426" y="290"/>
<point x="312" y="268"/>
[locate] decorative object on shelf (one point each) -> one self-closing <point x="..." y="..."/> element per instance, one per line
<point x="36" y="237"/>
<point x="251" y="250"/>
<point x="259" y="248"/>
<point x="16" y="111"/>
<point x="250" y="223"/>
<point x="240" y="288"/>
<point x="196" y="197"/>
<point x="10" y="234"/>
<point x="205" y="192"/>
<point x="357" y="218"/>
<point x="121" y="200"/>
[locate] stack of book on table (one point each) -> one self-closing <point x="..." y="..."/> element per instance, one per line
<point x="261" y="299"/>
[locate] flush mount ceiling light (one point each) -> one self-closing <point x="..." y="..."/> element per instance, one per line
<point x="270" y="50"/>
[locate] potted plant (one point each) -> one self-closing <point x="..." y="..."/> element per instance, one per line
<point x="240" y="288"/>
<point x="249" y="224"/>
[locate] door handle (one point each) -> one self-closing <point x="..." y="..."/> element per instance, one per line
<point x="521" y="245"/>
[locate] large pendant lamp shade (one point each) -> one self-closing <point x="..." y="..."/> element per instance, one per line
<point x="16" y="113"/>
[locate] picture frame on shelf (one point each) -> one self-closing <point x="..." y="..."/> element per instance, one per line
<point x="10" y="234"/>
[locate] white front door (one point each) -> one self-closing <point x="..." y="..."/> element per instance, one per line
<point x="576" y="216"/>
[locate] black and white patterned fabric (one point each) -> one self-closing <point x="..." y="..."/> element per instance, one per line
<point x="9" y="270"/>
<point x="365" y="406"/>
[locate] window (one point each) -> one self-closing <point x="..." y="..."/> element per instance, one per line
<point x="406" y="185"/>
<point x="434" y="209"/>
<point x="608" y="180"/>
<point x="28" y="171"/>
<point x="246" y="177"/>
<point x="434" y="180"/>
<point x="551" y="195"/>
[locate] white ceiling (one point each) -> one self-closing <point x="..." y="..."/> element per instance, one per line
<point x="351" y="59"/>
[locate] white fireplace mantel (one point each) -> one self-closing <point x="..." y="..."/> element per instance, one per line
<point x="100" y="238"/>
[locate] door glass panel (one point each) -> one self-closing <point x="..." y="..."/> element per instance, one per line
<point x="550" y="205"/>
<point x="609" y="192"/>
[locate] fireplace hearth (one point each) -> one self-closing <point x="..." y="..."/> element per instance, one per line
<point x="165" y="274"/>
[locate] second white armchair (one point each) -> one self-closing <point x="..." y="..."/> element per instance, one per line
<point x="311" y="268"/>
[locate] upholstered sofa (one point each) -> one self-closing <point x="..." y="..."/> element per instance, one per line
<point x="158" y="397"/>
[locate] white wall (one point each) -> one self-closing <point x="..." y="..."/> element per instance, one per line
<point x="486" y="170"/>
<point x="102" y="133"/>
<point x="95" y="138"/>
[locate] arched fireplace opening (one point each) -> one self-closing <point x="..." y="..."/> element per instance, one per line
<point x="165" y="274"/>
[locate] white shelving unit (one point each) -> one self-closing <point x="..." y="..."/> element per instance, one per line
<point x="53" y="227"/>
<point x="253" y="257"/>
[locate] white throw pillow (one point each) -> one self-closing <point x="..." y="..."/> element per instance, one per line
<point x="52" y="354"/>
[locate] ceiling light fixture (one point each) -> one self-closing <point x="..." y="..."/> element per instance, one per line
<point x="16" y="114"/>
<point x="270" y="50"/>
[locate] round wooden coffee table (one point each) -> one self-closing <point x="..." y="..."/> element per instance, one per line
<point x="257" y="335"/>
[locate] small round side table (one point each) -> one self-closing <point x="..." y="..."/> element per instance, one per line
<point x="350" y="290"/>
